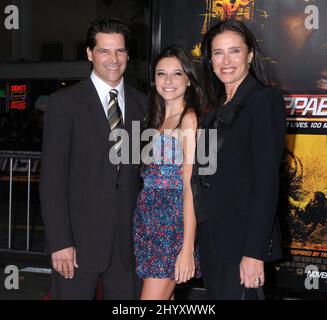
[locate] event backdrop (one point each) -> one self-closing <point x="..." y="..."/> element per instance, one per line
<point x="293" y="38"/>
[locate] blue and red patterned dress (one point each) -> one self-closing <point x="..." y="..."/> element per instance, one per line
<point x="158" y="217"/>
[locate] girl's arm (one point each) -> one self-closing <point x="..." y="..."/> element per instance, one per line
<point x="185" y="266"/>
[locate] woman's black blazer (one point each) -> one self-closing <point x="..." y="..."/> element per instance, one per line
<point x="239" y="201"/>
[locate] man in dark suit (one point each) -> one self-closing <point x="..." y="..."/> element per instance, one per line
<point x="86" y="200"/>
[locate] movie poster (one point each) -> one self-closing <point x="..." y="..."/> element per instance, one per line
<point x="292" y="35"/>
<point x="307" y="192"/>
<point x="303" y="213"/>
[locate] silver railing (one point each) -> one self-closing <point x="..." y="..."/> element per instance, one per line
<point x="15" y="157"/>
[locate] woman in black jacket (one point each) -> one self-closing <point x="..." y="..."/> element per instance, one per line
<point x="238" y="230"/>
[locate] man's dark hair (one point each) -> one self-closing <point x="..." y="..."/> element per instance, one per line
<point x="110" y="25"/>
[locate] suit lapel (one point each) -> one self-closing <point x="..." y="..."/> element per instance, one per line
<point x="131" y="110"/>
<point x="96" y="108"/>
<point x="132" y="113"/>
<point x="226" y="116"/>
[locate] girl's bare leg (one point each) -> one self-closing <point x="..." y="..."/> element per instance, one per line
<point x="157" y="289"/>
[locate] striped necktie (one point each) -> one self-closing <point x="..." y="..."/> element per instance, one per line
<point x="115" y="116"/>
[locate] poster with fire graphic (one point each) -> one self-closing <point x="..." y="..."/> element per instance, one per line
<point x="291" y="34"/>
<point x="292" y="38"/>
<point x="306" y="181"/>
<point x="303" y="209"/>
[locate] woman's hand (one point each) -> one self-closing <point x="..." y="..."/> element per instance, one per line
<point x="185" y="266"/>
<point x="252" y="272"/>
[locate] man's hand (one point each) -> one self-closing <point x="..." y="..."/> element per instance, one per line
<point x="252" y="272"/>
<point x="64" y="261"/>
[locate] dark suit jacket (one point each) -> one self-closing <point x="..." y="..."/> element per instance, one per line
<point x="239" y="201"/>
<point x="80" y="202"/>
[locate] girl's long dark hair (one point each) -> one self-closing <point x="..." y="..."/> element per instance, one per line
<point x="193" y="95"/>
<point x="213" y="86"/>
